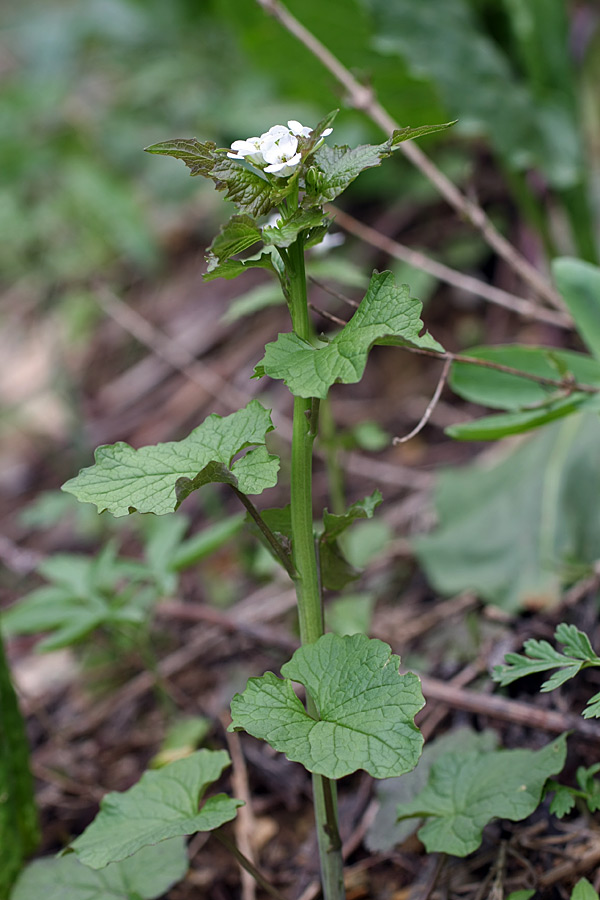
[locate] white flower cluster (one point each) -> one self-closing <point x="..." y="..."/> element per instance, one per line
<point x="276" y="150"/>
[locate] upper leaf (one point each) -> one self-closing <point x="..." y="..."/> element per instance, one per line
<point x="163" y="804"/>
<point x="334" y="168"/>
<point x="366" y="709"/>
<point x="251" y="192"/>
<point x="147" y="874"/>
<point x="465" y="791"/>
<point x="387" y="315"/>
<point x="157" y="478"/>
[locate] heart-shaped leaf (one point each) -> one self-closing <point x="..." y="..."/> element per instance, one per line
<point x="157" y="478"/>
<point x="163" y="804"/>
<point x="366" y="709"/>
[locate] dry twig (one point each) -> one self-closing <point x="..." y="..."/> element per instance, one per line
<point x="363" y="98"/>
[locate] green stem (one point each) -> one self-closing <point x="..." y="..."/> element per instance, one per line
<point x="247" y="865"/>
<point x="310" y="611"/>
<point x="281" y="553"/>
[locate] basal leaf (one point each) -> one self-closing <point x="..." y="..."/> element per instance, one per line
<point x="366" y="709"/>
<point x="334" y="168"/>
<point x="579" y="285"/>
<point x="386" y="830"/>
<point x="465" y="791"/>
<point x="146" y="875"/>
<point x="387" y="315"/>
<point x="125" y="480"/>
<point x="512" y="531"/>
<point x="163" y="804"/>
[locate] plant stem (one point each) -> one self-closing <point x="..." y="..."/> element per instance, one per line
<point x="247" y="865"/>
<point x="280" y="551"/>
<point x="310" y="612"/>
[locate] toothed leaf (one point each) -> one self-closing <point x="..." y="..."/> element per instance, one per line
<point x="366" y="709"/>
<point x="156" y="478"/>
<point x="387" y="315"/>
<point x="163" y="804"/>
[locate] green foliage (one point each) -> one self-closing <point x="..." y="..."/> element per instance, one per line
<point x="465" y="791"/>
<point x="565" y="796"/>
<point x="336" y="571"/>
<point x="84" y="594"/>
<point x="540" y="656"/>
<point x="181" y="739"/>
<point x="365" y="709"/>
<point x="158" y="478"/>
<point x="19" y="832"/>
<point x="146" y="875"/>
<point x="579" y="285"/>
<point x="447" y="45"/>
<point x="333" y="169"/>
<point x="386" y="831"/>
<point x="387" y="315"/>
<point x="162" y="805"/>
<point x="541" y="501"/>
<point x="583" y="890"/>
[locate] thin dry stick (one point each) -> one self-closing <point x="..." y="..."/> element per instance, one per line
<point x="245" y="825"/>
<point x="449" y="276"/>
<point x="430" y="408"/>
<point x="363" y="98"/>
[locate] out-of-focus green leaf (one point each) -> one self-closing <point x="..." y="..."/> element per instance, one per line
<point x="490" y="387"/>
<point x="445" y="44"/>
<point x="144" y="876"/>
<point x="163" y="804"/>
<point x="465" y="791"/>
<point x="386" y="831"/>
<point x="579" y="285"/>
<point x="510" y="531"/>
<point x="491" y="428"/>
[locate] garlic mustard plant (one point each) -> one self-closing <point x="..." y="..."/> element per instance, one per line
<point x="359" y="711"/>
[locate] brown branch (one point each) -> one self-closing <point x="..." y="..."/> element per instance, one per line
<point x="431" y="406"/>
<point x="563" y="384"/>
<point x="449" y="276"/>
<point x="364" y="98"/>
